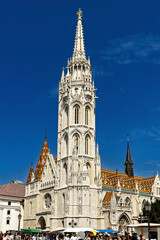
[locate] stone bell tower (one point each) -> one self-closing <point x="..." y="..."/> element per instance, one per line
<point x="79" y="184"/>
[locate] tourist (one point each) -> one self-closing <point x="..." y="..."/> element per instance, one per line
<point x="74" y="237"/>
<point x="61" y="236"/>
<point x="67" y="237"/>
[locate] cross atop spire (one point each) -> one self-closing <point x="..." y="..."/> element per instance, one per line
<point x="45" y="134"/>
<point x="79" y="50"/>
<point x="79" y="14"/>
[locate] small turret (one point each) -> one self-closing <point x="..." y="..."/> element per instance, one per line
<point x="31" y="173"/>
<point x="62" y="77"/>
<point x="128" y="163"/>
<point x="42" y="159"/>
<point x="118" y="186"/>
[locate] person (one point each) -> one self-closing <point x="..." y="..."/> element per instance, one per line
<point x="34" y="237"/>
<point x="11" y="236"/>
<point x="61" y="236"/>
<point x="1" y="236"/>
<point x="67" y="237"/>
<point x="18" y="236"/>
<point x="134" y="236"/>
<point x="74" y="237"/>
<point x="5" y="237"/>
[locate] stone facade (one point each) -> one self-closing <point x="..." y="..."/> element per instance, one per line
<point x="73" y="190"/>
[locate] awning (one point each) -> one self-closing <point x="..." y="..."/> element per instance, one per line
<point x="76" y="230"/>
<point x="57" y="230"/>
<point x="29" y="230"/>
<point x="105" y="230"/>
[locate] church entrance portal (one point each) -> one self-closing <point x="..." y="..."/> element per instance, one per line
<point x="41" y="223"/>
<point x="123" y="222"/>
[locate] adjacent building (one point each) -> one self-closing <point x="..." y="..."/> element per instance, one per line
<point x="11" y="205"/>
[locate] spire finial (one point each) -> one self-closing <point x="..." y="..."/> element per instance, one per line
<point x="45" y="134"/>
<point x="127" y="138"/>
<point x="79" y="50"/>
<point x="79" y="14"/>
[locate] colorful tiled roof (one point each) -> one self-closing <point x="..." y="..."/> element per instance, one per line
<point x="107" y="198"/>
<point x="31" y="171"/>
<point x="42" y="160"/>
<point x="110" y="179"/>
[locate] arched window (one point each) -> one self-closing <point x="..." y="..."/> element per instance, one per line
<point x="89" y="171"/>
<point x="48" y="200"/>
<point x="143" y="204"/>
<point x="30" y="208"/>
<point x="63" y="204"/>
<point x="87" y="109"/>
<point x="127" y="201"/>
<point x="76" y="114"/>
<point x="87" y="144"/>
<point x="66" y="112"/>
<point x="66" y="143"/>
<point x="65" y="173"/>
<point x="76" y="140"/>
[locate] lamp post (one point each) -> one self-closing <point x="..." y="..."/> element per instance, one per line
<point x="19" y="219"/>
<point x="147" y="207"/>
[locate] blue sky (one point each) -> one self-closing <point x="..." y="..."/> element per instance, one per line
<point x="123" y="40"/>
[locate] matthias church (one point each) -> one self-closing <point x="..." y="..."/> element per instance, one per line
<point x="72" y="190"/>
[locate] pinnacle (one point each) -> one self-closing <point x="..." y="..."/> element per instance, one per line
<point x="79" y="50"/>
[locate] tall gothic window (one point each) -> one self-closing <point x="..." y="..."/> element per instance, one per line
<point x="66" y="111"/>
<point x="76" y="109"/>
<point x="86" y="144"/>
<point x="30" y="208"/>
<point x="76" y="140"/>
<point x="65" y="173"/>
<point x="63" y="204"/>
<point x="87" y="115"/>
<point x="66" y="142"/>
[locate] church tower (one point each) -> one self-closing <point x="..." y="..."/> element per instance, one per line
<point x="128" y="163"/>
<point x="78" y="183"/>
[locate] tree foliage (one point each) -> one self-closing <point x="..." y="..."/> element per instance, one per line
<point x="154" y="213"/>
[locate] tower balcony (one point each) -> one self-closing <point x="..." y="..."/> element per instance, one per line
<point x="88" y="94"/>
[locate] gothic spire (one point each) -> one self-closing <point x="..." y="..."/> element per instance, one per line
<point x="42" y="160"/>
<point x="128" y="156"/>
<point x="128" y="162"/>
<point x="79" y="50"/>
<point x="31" y="172"/>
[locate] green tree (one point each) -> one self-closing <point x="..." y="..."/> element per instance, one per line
<point x="154" y="213"/>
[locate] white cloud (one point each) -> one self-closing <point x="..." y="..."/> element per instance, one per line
<point x="155" y="109"/>
<point x="134" y="48"/>
<point x="53" y="92"/>
<point x="151" y="132"/>
<point x="100" y="72"/>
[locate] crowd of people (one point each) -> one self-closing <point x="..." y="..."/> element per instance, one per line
<point x="9" y="235"/>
